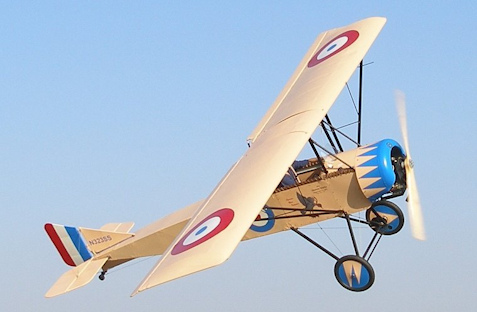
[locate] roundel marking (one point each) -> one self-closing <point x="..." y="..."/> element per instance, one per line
<point x="336" y="45"/>
<point x="263" y="225"/>
<point x="204" y="230"/>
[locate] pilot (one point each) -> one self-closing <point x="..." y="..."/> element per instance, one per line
<point x="290" y="176"/>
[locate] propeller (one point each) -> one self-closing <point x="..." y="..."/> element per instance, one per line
<point x="413" y="203"/>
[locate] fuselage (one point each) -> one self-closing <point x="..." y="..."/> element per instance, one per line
<point x="348" y="183"/>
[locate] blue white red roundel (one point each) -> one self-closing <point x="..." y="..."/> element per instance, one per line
<point x="333" y="47"/>
<point x="264" y="222"/>
<point x="204" y="230"/>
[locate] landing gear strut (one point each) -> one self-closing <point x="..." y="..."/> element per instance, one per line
<point x="354" y="272"/>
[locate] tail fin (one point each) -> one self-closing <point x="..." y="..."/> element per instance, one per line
<point x="108" y="235"/>
<point x="69" y="243"/>
<point x="78" y="247"/>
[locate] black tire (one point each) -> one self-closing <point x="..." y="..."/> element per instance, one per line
<point x="354" y="273"/>
<point x="379" y="214"/>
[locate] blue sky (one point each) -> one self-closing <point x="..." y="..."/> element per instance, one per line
<point x="124" y="111"/>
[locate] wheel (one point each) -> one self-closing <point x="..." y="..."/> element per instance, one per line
<point x="385" y="217"/>
<point x="354" y="273"/>
<point x="102" y="276"/>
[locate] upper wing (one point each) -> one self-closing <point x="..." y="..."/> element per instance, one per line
<point x="322" y="73"/>
<point x="220" y="223"/>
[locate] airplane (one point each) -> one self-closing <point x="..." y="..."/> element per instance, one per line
<point x="267" y="191"/>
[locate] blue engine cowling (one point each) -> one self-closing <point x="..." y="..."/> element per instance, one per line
<point x="380" y="169"/>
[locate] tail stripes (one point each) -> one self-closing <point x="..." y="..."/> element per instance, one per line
<point x="69" y="243"/>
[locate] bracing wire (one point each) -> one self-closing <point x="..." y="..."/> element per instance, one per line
<point x="329" y="238"/>
<point x="129" y="265"/>
<point x="352" y="98"/>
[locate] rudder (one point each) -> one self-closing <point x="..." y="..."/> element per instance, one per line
<point x="69" y="242"/>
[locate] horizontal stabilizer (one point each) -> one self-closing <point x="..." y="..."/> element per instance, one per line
<point x="76" y="277"/>
<point x="118" y="227"/>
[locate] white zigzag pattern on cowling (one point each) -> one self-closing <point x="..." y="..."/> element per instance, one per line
<point x="363" y="170"/>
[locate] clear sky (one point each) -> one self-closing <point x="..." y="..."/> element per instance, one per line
<point x="117" y="111"/>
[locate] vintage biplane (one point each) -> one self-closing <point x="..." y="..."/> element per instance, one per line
<point x="267" y="191"/>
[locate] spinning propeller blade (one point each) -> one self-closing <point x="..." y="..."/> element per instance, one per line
<point x="414" y="205"/>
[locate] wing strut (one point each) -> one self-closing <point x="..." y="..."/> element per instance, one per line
<point x="313" y="142"/>
<point x="328" y="123"/>
<point x="336" y="144"/>
<point x="320" y="161"/>
<point x="333" y="131"/>
<point x="360" y="101"/>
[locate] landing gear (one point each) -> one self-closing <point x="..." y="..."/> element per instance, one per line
<point x="385" y="217"/>
<point x="354" y="273"/>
